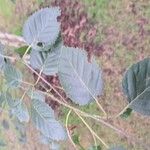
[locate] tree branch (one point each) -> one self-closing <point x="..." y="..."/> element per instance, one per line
<point x="11" y="40"/>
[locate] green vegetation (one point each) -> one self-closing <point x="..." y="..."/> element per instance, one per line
<point x="6" y="8"/>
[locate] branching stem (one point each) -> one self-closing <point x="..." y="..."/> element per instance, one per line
<point x="91" y="130"/>
<point x="100" y="119"/>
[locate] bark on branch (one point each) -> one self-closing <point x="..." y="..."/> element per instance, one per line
<point x="11" y="40"/>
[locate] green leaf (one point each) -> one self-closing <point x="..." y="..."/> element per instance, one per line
<point x="127" y="113"/>
<point x="75" y="139"/>
<point x="12" y="75"/>
<point x="95" y="148"/>
<point x="43" y="118"/>
<point x="136" y="85"/>
<point x="40" y="1"/>
<point x="20" y="111"/>
<point x="42" y="28"/>
<point x="21" y="51"/>
<point x="13" y="1"/>
<point x="116" y="148"/>
<point x="81" y="80"/>
<point x="46" y="61"/>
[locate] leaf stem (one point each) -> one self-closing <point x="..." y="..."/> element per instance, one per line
<point x="99" y="119"/>
<point x="27" y="50"/>
<point x="124" y="109"/>
<point x="44" y="80"/>
<point x="92" y="132"/>
<point x="69" y="136"/>
<point x="99" y="105"/>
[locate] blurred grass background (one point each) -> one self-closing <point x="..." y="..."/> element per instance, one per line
<point x="123" y="30"/>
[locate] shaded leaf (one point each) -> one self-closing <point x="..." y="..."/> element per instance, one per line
<point x="80" y="79"/>
<point x="21" y="130"/>
<point x="142" y="103"/>
<point x="42" y="28"/>
<point x="127" y="113"/>
<point x="12" y="75"/>
<point x="44" y="120"/>
<point x="5" y="124"/>
<point x="19" y="126"/>
<point x="23" y="138"/>
<point x="47" y="62"/>
<point x="136" y="85"/>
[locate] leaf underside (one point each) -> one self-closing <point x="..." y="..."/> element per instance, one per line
<point x="12" y="75"/>
<point x="42" y="28"/>
<point x="46" y="61"/>
<point x="20" y="111"/>
<point x="43" y="118"/>
<point x="80" y="79"/>
<point x="17" y="107"/>
<point x="36" y="94"/>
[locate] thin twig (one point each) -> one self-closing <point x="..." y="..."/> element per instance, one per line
<point x="45" y="81"/>
<point x="27" y="50"/>
<point x="69" y="136"/>
<point x="102" y="121"/>
<point x="99" y="119"/>
<point x="92" y="132"/>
